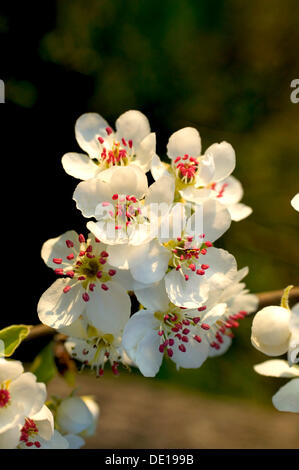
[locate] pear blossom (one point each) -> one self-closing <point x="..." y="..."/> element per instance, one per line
<point x="90" y="285"/>
<point x="189" y="263"/>
<point x="198" y="177"/>
<point x="275" y="331"/>
<point x="295" y="202"/>
<point x="162" y="328"/>
<point x="124" y="206"/>
<point x="132" y="142"/>
<point x="287" y="397"/>
<point x="20" y="395"/>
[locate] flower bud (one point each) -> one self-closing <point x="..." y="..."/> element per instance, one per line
<point x="270" y="331"/>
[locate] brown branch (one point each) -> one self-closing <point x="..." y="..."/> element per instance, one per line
<point x="265" y="298"/>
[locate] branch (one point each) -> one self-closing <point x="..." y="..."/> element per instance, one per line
<point x="265" y="298"/>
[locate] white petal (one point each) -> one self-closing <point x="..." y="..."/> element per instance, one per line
<point x="154" y="297"/>
<point x="30" y="394"/>
<point x="227" y="341"/>
<point x="10" y="370"/>
<point x="214" y="314"/>
<point x="224" y="158"/>
<point x="270" y="332"/>
<point x="194" y="356"/>
<point x="287" y="397"/>
<point x="109" y="311"/>
<point x="153" y="265"/>
<point x="148" y="356"/>
<point x="295" y="202"/>
<point x="87" y="128"/>
<point x="145" y="152"/>
<point x="239" y="211"/>
<point x="293" y="353"/>
<point x="9" y="439"/>
<point x="276" y="368"/>
<point x="57" y="309"/>
<point x="162" y="191"/>
<point x="57" y="248"/>
<point x="206" y="170"/>
<point x="129" y="180"/>
<point x="136" y="328"/>
<point x="222" y="270"/>
<point x="188" y="294"/>
<point x="45" y="422"/>
<point x="212" y="219"/>
<point x="132" y="125"/>
<point x="79" y="166"/>
<point x="88" y="194"/>
<point x="159" y="168"/>
<point x="229" y="191"/>
<point x="185" y="141"/>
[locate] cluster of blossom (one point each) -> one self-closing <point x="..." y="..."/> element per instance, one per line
<point x="154" y="241"/>
<point x="26" y="422"/>
<point x="275" y="331"/>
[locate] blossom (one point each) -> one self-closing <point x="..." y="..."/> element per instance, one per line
<point x="295" y="202"/>
<point x="275" y="331"/>
<point x="182" y="334"/>
<point x="131" y="143"/>
<point x="189" y="264"/>
<point x="20" y="395"/>
<point x="125" y="207"/>
<point x="287" y="397"/>
<point x="198" y="177"/>
<point x="93" y="347"/>
<point x="90" y="285"/>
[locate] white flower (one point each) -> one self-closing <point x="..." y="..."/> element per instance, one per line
<point x="287" y="397"/>
<point x="75" y="415"/>
<point x="132" y="143"/>
<point x="295" y="202"/>
<point x="123" y="204"/>
<point x="38" y="432"/>
<point x="91" y="285"/>
<point x="199" y="177"/>
<point x="183" y="334"/>
<point x="93" y="347"/>
<point x="190" y="264"/>
<point x="20" y="395"/>
<point x="275" y="331"/>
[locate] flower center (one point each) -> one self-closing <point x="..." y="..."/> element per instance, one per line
<point x="88" y="268"/>
<point x="4" y="397"/>
<point x="185" y="169"/>
<point x="114" y="153"/>
<point x="125" y="211"/>
<point x="186" y="253"/>
<point x="177" y="327"/>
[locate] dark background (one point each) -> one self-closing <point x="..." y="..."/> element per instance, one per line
<point x="224" y="67"/>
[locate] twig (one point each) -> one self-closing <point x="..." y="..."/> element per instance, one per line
<point x="265" y="298"/>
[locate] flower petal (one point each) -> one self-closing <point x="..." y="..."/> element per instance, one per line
<point x="287" y="397"/>
<point x="57" y="248"/>
<point x="276" y="368"/>
<point x="145" y="152"/>
<point x="79" y="166"/>
<point x="132" y="125"/>
<point x="185" y="141"/>
<point x="87" y="128"/>
<point x="88" y="194"/>
<point x="58" y="309"/>
<point x="224" y="158"/>
<point x="109" y="310"/>
<point x="154" y="297"/>
<point x="239" y="211"/>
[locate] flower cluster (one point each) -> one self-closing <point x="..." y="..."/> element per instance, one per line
<point x="26" y="422"/>
<point x="153" y="243"/>
<point x="275" y="331"/>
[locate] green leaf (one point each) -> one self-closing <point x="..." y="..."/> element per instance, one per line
<point x="44" y="366"/>
<point x="12" y="336"/>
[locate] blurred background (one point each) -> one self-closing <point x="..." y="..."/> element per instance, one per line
<point x="224" y="67"/>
